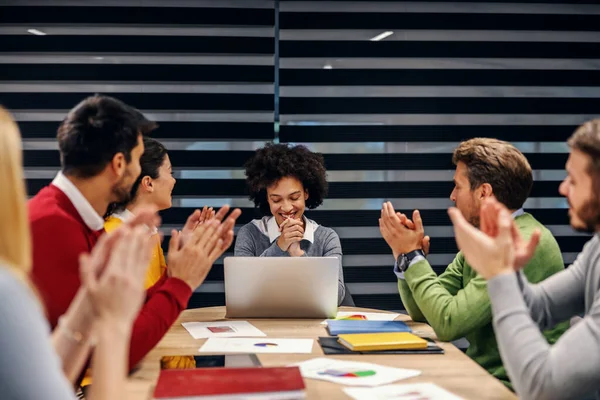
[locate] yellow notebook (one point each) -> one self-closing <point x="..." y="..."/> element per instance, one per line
<point x="382" y="341"/>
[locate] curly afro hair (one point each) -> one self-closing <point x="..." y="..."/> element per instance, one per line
<point x="276" y="161"/>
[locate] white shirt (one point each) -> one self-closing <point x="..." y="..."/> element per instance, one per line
<point x="126" y="215"/>
<point x="91" y="218"/>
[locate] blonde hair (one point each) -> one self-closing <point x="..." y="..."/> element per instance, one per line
<point x="15" y="240"/>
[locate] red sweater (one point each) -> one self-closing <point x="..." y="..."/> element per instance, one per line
<point x="59" y="236"/>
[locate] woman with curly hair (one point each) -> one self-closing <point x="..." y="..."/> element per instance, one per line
<point x="283" y="181"/>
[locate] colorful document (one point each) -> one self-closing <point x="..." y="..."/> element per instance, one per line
<point x="353" y="373"/>
<point x="203" y="330"/>
<point x="263" y="345"/>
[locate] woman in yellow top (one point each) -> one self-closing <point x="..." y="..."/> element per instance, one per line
<point x="153" y="187"/>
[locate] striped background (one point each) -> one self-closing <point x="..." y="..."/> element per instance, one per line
<point x="222" y="77"/>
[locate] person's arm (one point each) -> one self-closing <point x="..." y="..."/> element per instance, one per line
<point x="333" y="248"/>
<point x="274" y="251"/>
<point x="165" y="301"/>
<point x="451" y="311"/>
<point x="107" y="364"/>
<point x="245" y="245"/>
<point x="409" y="303"/>
<point x="568" y="369"/>
<point x="451" y="279"/>
<point x="30" y="368"/>
<point x="545" y="307"/>
<point x="188" y="267"/>
<point x="72" y="337"/>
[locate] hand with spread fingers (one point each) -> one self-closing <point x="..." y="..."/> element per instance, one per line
<point x="394" y="229"/>
<point x="292" y="233"/>
<point x="117" y="293"/>
<point x="489" y="256"/>
<point x="523" y="249"/>
<point x="206" y="214"/>
<point x="195" y="219"/>
<point x="426" y="242"/>
<point x="192" y="260"/>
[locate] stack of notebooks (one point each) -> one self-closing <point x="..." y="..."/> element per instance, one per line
<point x="385" y="337"/>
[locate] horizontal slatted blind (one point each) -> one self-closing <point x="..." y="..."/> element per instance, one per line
<point x="387" y="113"/>
<point x="204" y="70"/>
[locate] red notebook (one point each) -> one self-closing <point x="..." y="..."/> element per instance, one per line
<point x="232" y="383"/>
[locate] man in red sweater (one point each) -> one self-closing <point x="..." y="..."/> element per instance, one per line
<point x="100" y="144"/>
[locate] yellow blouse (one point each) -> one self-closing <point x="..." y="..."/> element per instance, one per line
<point x="157" y="266"/>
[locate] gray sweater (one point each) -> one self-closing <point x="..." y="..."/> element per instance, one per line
<point x="259" y="239"/>
<point x="571" y="367"/>
<point x="29" y="367"/>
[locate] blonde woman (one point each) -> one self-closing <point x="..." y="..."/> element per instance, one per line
<point x="112" y="292"/>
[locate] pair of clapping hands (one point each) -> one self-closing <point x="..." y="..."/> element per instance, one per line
<point x="402" y="234"/>
<point x="496" y="248"/>
<point x="292" y="233"/>
<point x="113" y="274"/>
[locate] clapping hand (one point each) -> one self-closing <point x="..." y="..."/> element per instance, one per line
<point x="523" y="250"/>
<point x="292" y="234"/>
<point x="113" y="275"/>
<point x="191" y="261"/>
<point x="401" y="234"/>
<point x="488" y="255"/>
<point x="426" y="242"/>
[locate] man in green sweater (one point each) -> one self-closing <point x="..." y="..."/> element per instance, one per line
<point x="456" y="303"/>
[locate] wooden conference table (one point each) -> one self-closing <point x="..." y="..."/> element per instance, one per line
<point x="453" y="370"/>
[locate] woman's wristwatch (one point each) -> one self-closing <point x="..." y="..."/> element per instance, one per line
<point x="404" y="260"/>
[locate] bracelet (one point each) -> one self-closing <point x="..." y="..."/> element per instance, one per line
<point x="74" y="336"/>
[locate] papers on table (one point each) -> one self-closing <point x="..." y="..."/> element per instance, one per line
<point x="266" y="345"/>
<point x="370" y="316"/>
<point x="203" y="330"/>
<point x="415" y="391"/>
<point x="353" y="373"/>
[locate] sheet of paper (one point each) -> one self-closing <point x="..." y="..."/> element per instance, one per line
<point x="203" y="330"/>
<point x="266" y="345"/>
<point x="353" y="373"/>
<point x="415" y="391"/>
<point x="370" y="316"/>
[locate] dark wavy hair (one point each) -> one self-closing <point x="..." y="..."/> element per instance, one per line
<point x="275" y="161"/>
<point x="153" y="157"/>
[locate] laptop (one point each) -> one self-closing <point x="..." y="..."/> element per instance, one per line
<point x="281" y="287"/>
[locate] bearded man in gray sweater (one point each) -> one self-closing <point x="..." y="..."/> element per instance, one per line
<point x="570" y="368"/>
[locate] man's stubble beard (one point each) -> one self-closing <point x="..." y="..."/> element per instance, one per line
<point x="589" y="214"/>
<point x="121" y="192"/>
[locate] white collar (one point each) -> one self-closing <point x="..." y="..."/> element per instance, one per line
<point x="126" y="215"/>
<point x="518" y="213"/>
<point x="309" y="230"/>
<point x="83" y="207"/>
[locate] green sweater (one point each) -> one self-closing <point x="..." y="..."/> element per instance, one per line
<point x="456" y="303"/>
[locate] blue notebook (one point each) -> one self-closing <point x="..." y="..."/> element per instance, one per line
<point x="340" y="327"/>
